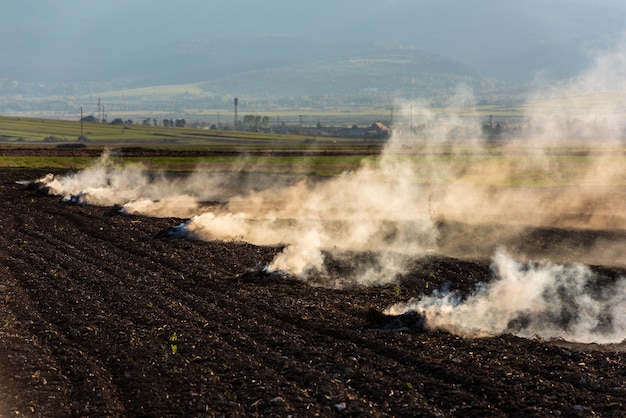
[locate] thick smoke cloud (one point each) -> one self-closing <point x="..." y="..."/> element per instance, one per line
<point x="528" y="300"/>
<point x="561" y="165"/>
<point x="376" y="208"/>
<point x="586" y="108"/>
<point x="142" y="191"/>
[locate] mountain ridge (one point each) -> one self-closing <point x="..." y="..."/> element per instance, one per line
<point x="366" y="78"/>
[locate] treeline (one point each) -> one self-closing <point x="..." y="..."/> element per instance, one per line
<point x="254" y="122"/>
<point x="173" y="123"/>
<point x="168" y="123"/>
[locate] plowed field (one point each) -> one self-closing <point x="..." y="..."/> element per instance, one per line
<point x="100" y="315"/>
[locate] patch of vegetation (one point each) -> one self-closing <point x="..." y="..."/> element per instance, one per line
<point x="52" y="162"/>
<point x="189" y="149"/>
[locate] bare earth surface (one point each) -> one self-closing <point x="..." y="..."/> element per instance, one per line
<point x="100" y="315"/>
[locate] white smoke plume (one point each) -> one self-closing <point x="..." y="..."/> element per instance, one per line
<point x="377" y="208"/>
<point x="586" y="108"/>
<point x="438" y="167"/>
<point x="374" y="209"/>
<point x="546" y="300"/>
<point x="140" y="190"/>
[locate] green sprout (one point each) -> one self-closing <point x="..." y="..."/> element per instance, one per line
<point x="174" y="343"/>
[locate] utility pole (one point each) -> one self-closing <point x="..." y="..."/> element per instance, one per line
<point x="411" y="120"/>
<point x="236" y="104"/>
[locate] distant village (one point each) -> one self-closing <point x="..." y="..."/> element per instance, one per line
<point x="377" y="130"/>
<point x="252" y="123"/>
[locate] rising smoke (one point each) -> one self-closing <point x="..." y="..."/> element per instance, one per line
<point x="535" y="299"/>
<point x="377" y="208"/>
<point x="562" y="166"/>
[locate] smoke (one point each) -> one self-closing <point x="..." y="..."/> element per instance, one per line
<point x="143" y="191"/>
<point x="376" y="208"/>
<point x="546" y="300"/>
<point x="560" y="165"/>
<point x="586" y="108"/>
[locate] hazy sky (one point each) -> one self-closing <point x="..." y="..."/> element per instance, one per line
<point x="491" y="35"/>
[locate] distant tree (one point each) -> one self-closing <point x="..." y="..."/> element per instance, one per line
<point x="155" y="122"/>
<point x="266" y="122"/>
<point x="90" y="118"/>
<point x="180" y="123"/>
<point x="146" y="122"/>
<point x="117" y="121"/>
<point x="166" y="122"/>
<point x="248" y="120"/>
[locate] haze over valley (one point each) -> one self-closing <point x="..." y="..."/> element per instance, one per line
<point x="152" y="56"/>
<point x="290" y="208"/>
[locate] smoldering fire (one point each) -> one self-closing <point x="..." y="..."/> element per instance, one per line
<point x="392" y="208"/>
<point x="528" y="300"/>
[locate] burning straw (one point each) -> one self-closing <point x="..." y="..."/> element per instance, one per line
<point x="536" y="299"/>
<point x="438" y="167"/>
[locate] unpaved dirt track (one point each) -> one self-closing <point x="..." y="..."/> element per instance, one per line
<point x="99" y="316"/>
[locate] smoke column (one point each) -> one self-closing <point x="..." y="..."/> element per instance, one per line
<point x="528" y="300"/>
<point x="377" y="208"/>
<point x="142" y="191"/>
<point x="562" y="167"/>
<point x="374" y="209"/>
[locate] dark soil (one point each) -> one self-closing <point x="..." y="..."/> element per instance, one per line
<point x="100" y="315"/>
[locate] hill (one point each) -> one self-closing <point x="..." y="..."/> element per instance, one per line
<point x="397" y="72"/>
<point x="53" y="57"/>
<point x="371" y="78"/>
